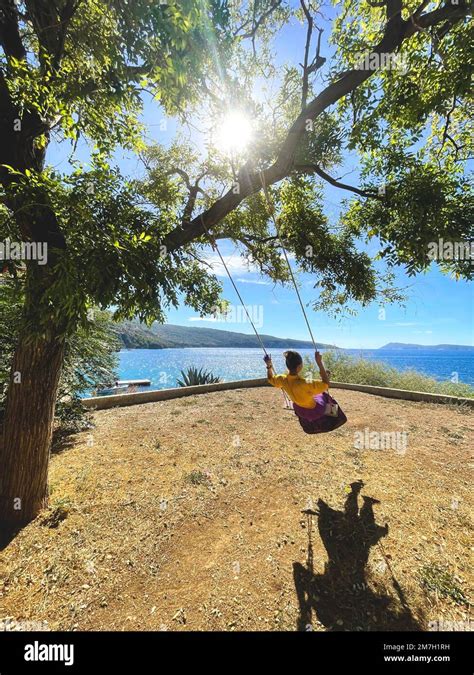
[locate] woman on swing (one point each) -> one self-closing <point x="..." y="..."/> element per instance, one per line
<point x="316" y="410"/>
<point x="299" y="390"/>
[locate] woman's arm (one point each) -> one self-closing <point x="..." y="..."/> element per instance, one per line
<point x="274" y="380"/>
<point x="268" y="362"/>
<point x="322" y="370"/>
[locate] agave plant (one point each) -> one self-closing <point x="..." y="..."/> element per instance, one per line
<point x="193" y="376"/>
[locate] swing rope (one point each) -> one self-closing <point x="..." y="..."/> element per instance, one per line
<point x="275" y="223"/>
<point x="272" y="215"/>
<point x="216" y="248"/>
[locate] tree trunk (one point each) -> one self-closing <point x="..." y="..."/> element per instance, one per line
<point x="28" y="426"/>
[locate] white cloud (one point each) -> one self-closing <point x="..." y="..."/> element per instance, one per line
<point x="238" y="265"/>
<point x="202" y="318"/>
<point x="404" y="323"/>
<point x="235" y="263"/>
<point x="254" y="281"/>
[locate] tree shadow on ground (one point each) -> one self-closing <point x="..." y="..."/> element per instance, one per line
<point x="341" y="598"/>
<point x="8" y="533"/>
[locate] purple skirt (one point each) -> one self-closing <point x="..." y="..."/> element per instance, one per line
<point x="316" y="420"/>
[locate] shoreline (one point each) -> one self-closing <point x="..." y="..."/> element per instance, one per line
<point x="450" y="371"/>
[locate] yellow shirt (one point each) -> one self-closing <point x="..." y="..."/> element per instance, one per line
<point x="298" y="389"/>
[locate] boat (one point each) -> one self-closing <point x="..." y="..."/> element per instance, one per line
<point x="111" y="391"/>
<point x="134" y="383"/>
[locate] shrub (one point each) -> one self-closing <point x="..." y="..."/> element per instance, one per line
<point x="197" y="477"/>
<point x="357" y="370"/>
<point x="193" y="376"/>
<point x="439" y="580"/>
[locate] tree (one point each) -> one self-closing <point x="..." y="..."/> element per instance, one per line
<point x="76" y="67"/>
<point x="90" y="358"/>
<point x="72" y="68"/>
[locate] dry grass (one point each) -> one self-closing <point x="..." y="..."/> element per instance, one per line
<point x="186" y="514"/>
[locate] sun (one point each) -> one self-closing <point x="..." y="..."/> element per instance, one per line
<point x="234" y="132"/>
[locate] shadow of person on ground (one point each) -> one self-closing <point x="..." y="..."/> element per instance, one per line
<point x="341" y="598"/>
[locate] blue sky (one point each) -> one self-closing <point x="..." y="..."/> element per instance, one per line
<point x="438" y="310"/>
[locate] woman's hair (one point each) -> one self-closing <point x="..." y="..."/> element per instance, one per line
<point x="293" y="360"/>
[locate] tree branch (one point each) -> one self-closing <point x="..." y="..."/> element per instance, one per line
<point x="194" y="190"/>
<point x="314" y="168"/>
<point x="448" y="122"/>
<point x="10" y="37"/>
<point x="309" y="32"/>
<point x="256" y="22"/>
<point x="182" y="173"/>
<point x="396" y="32"/>
<point x="189" y="208"/>
<point x="317" y="62"/>
<point x="50" y="25"/>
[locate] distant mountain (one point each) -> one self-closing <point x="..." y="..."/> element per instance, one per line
<point x="134" y="335"/>
<point x="405" y="345"/>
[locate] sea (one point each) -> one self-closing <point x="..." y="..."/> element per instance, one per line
<point x="163" y="366"/>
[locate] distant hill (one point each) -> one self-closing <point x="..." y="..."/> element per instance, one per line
<point x="406" y="345"/>
<point x="134" y="335"/>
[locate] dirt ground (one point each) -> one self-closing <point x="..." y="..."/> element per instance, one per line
<point x="187" y="515"/>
